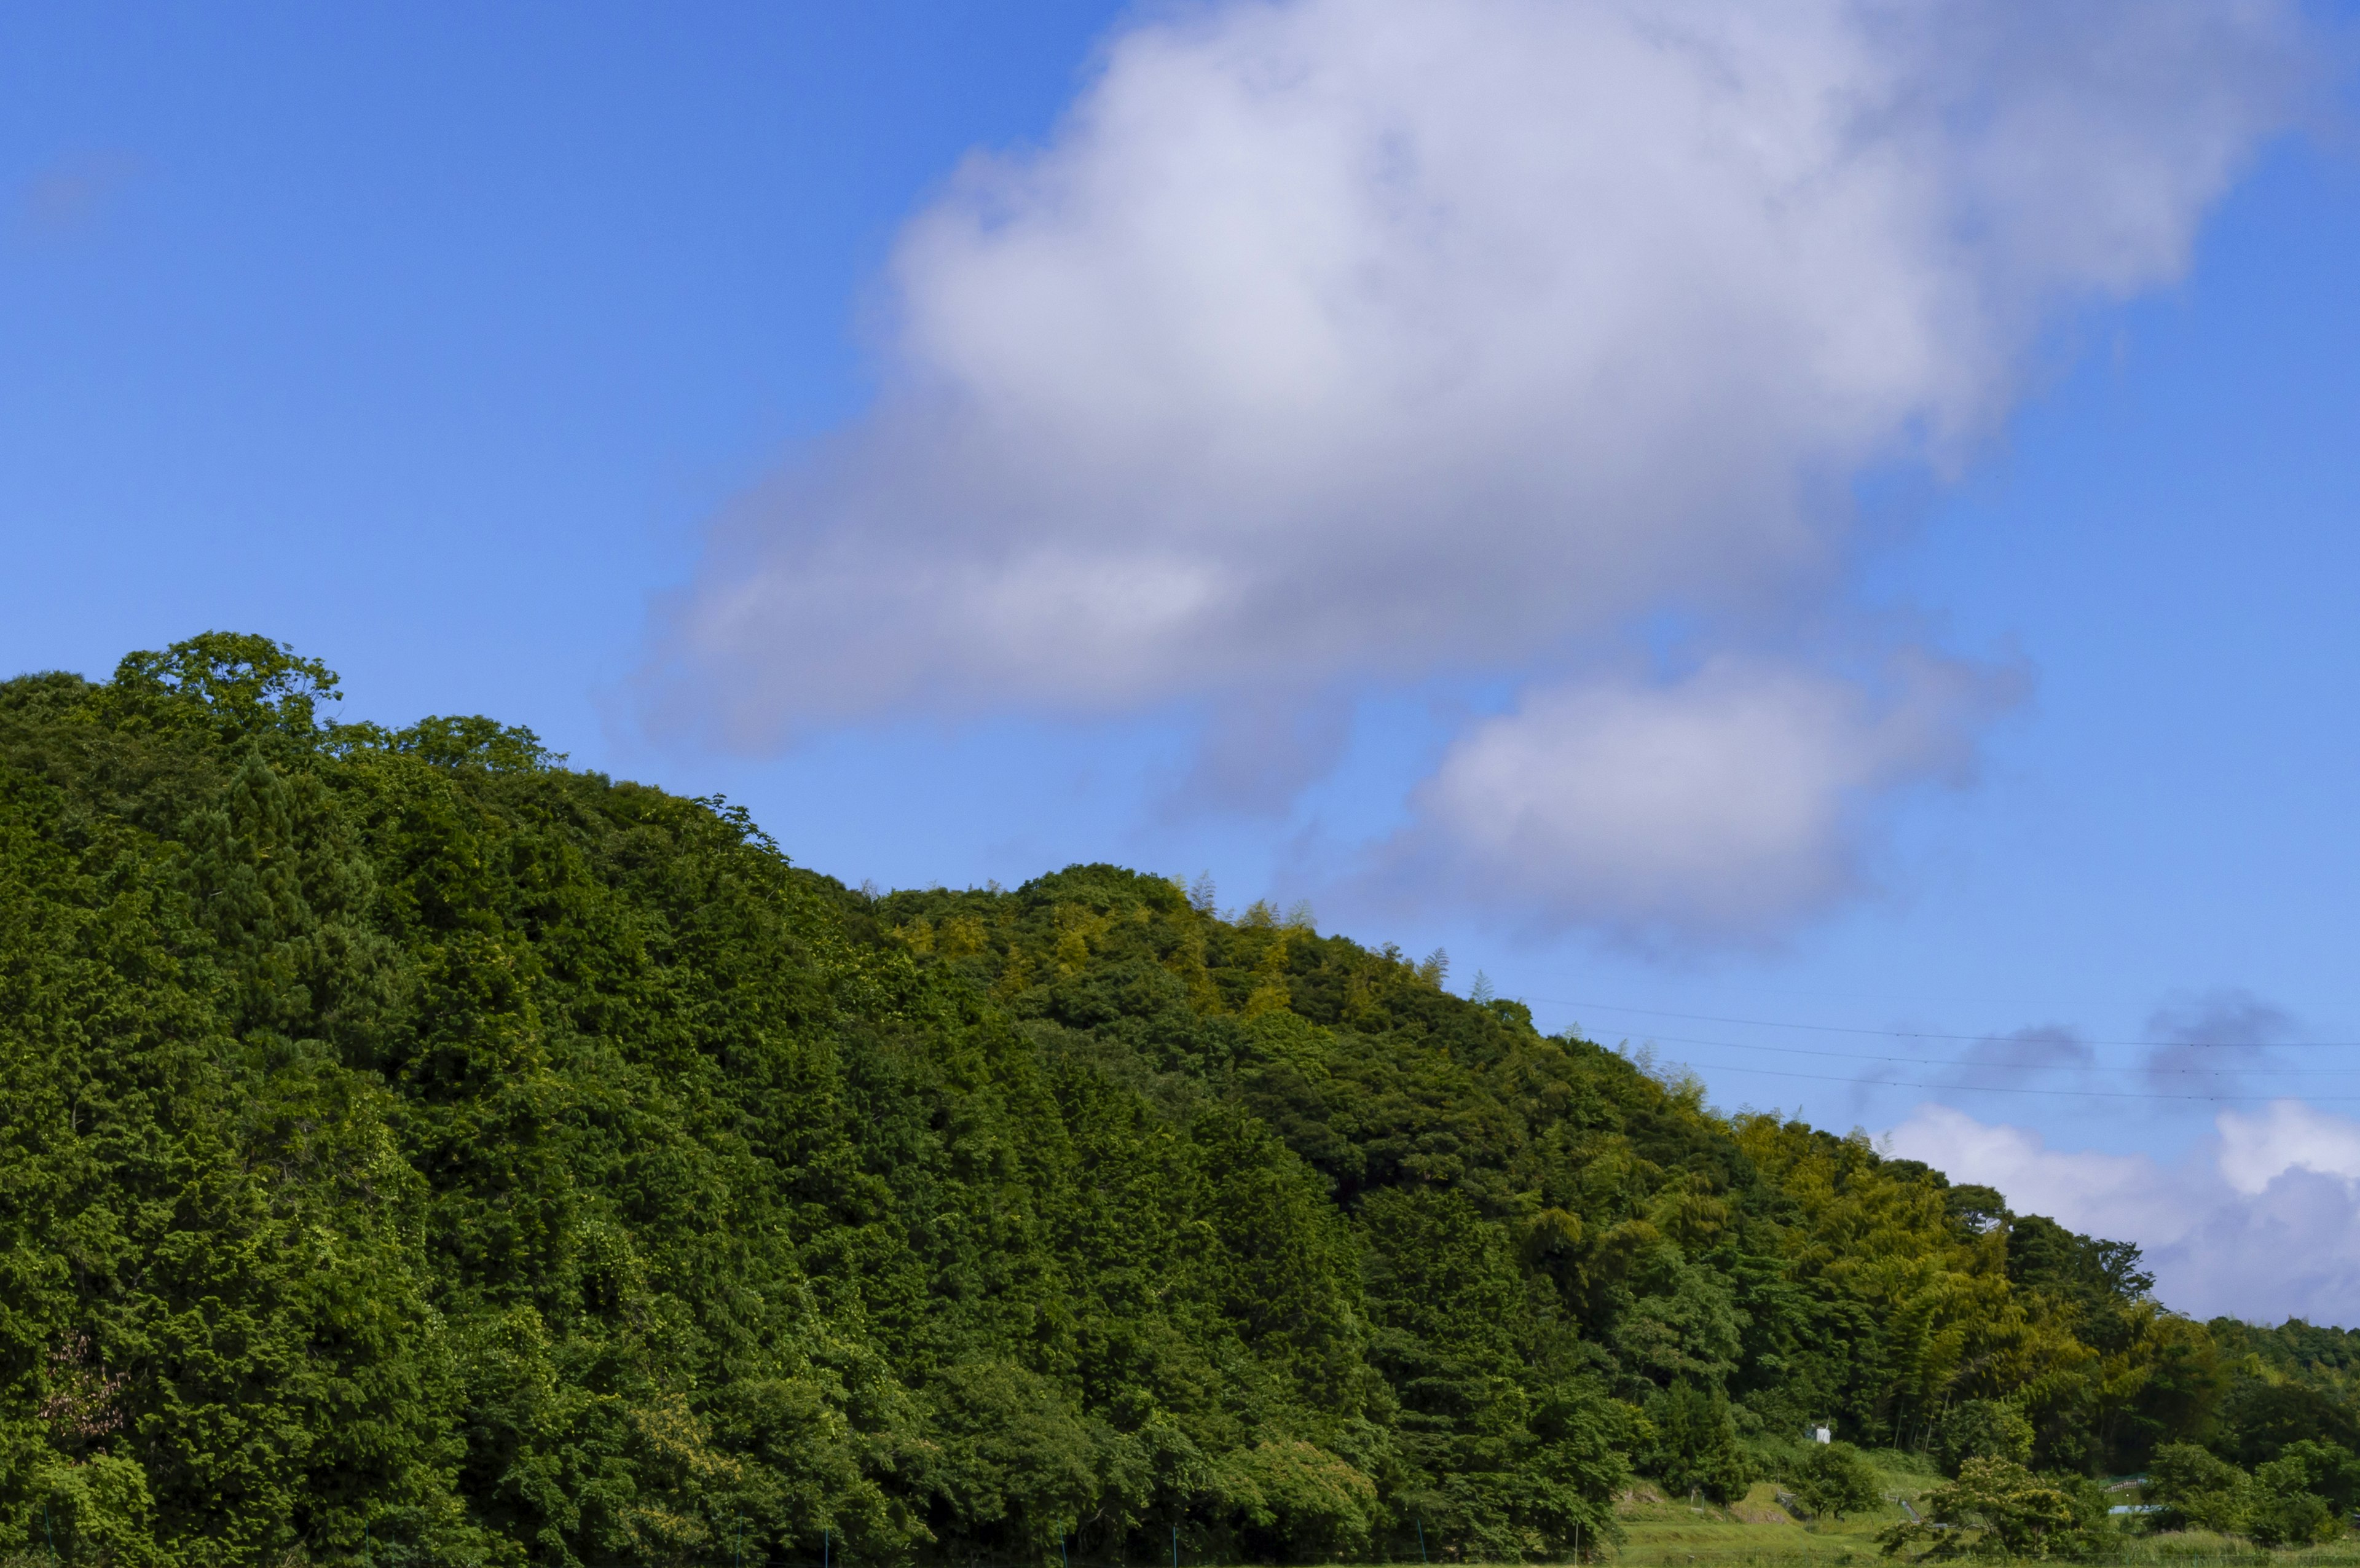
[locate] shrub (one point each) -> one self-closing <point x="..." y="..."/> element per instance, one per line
<point x="2285" y="1508"/>
<point x="2197" y="1489"/>
<point x="100" y="1511"/>
<point x="1835" y="1480"/>
<point x="1998" y="1509"/>
<point x="2330" y="1470"/>
<point x="2291" y="1519"/>
<point x="1696" y="1446"/>
<point x="1299" y="1501"/>
<point x="1984" y="1429"/>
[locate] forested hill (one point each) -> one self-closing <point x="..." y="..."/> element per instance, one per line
<point x="413" y="1151"/>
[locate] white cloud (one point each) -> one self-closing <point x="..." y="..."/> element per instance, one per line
<point x="2258" y="1148"/>
<point x="1340" y="342"/>
<point x="1725" y="802"/>
<point x="2128" y="1197"/>
<point x="2262" y="1222"/>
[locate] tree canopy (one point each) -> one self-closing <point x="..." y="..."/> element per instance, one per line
<point x="418" y="1150"/>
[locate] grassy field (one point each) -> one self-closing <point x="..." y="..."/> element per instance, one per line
<point x="1662" y="1533"/>
<point x="1667" y="1533"/>
<point x="1672" y="1532"/>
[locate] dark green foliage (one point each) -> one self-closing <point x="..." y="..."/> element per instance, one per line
<point x="1982" y="1428"/>
<point x="2196" y="1488"/>
<point x="2284" y="1506"/>
<point x="2303" y="1496"/>
<point x="2259" y="1416"/>
<point x="2282" y="1517"/>
<point x="1996" y="1508"/>
<point x="1695" y="1447"/>
<point x="408" y="1141"/>
<point x="2096" y="1277"/>
<point x="1834" y="1479"/>
<point x="2326" y="1470"/>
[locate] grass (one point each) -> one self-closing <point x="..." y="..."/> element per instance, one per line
<point x="1662" y="1532"/>
<point x="1754" y="1531"/>
<point x="2202" y="1549"/>
<point x="1669" y="1532"/>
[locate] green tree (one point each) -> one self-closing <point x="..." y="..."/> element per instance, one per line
<point x="405" y="1138"/>
<point x="1696" y="1446"/>
<point x="1982" y="1428"/>
<point x="2259" y="1416"/>
<point x="1835" y="1480"/>
<point x="1996" y="1508"/>
<point x="2197" y="1489"/>
<point x="2287" y="1504"/>
<point x="2330" y="1470"/>
<point x="2278" y="1516"/>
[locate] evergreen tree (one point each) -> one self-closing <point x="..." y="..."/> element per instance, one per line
<point x="413" y="1145"/>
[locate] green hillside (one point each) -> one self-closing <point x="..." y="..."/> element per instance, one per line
<point x="414" y="1152"/>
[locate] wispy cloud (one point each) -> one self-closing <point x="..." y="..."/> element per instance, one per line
<point x="2060" y="1053"/>
<point x="1333" y="344"/>
<point x="2217" y="1041"/>
<point x="71" y="196"/>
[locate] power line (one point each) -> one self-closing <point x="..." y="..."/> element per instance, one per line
<point x="2016" y="1066"/>
<point x="1994" y="1089"/>
<point x="1929" y="1034"/>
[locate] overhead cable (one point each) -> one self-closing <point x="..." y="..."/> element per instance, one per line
<point x="1964" y="1039"/>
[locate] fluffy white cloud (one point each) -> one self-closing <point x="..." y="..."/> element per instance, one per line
<point x="1724" y="803"/>
<point x="2258" y="1148"/>
<point x="2261" y="1222"/>
<point x="2127" y="1197"/>
<point x="1337" y="341"/>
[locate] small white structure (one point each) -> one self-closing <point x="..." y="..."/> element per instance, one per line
<point x="1823" y="1435"/>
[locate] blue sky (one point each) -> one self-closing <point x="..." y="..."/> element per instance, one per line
<point x="539" y="363"/>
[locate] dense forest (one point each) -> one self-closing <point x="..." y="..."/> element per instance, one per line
<point x="415" y="1151"/>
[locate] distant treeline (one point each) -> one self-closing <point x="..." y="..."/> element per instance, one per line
<point x="414" y="1152"/>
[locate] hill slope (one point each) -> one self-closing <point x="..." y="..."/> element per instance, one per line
<point x="410" y="1146"/>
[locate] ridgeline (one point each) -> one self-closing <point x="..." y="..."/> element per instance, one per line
<point x="414" y="1152"/>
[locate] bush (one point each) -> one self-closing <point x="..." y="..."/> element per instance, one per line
<point x="2286" y="1508"/>
<point x="1299" y="1501"/>
<point x="1984" y="1429"/>
<point x="1998" y="1509"/>
<point x="1835" y="1480"/>
<point x="2197" y="1489"/>
<point x="99" y="1511"/>
<point x="2329" y="1470"/>
<point x="2291" y="1519"/>
<point x="1696" y="1446"/>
